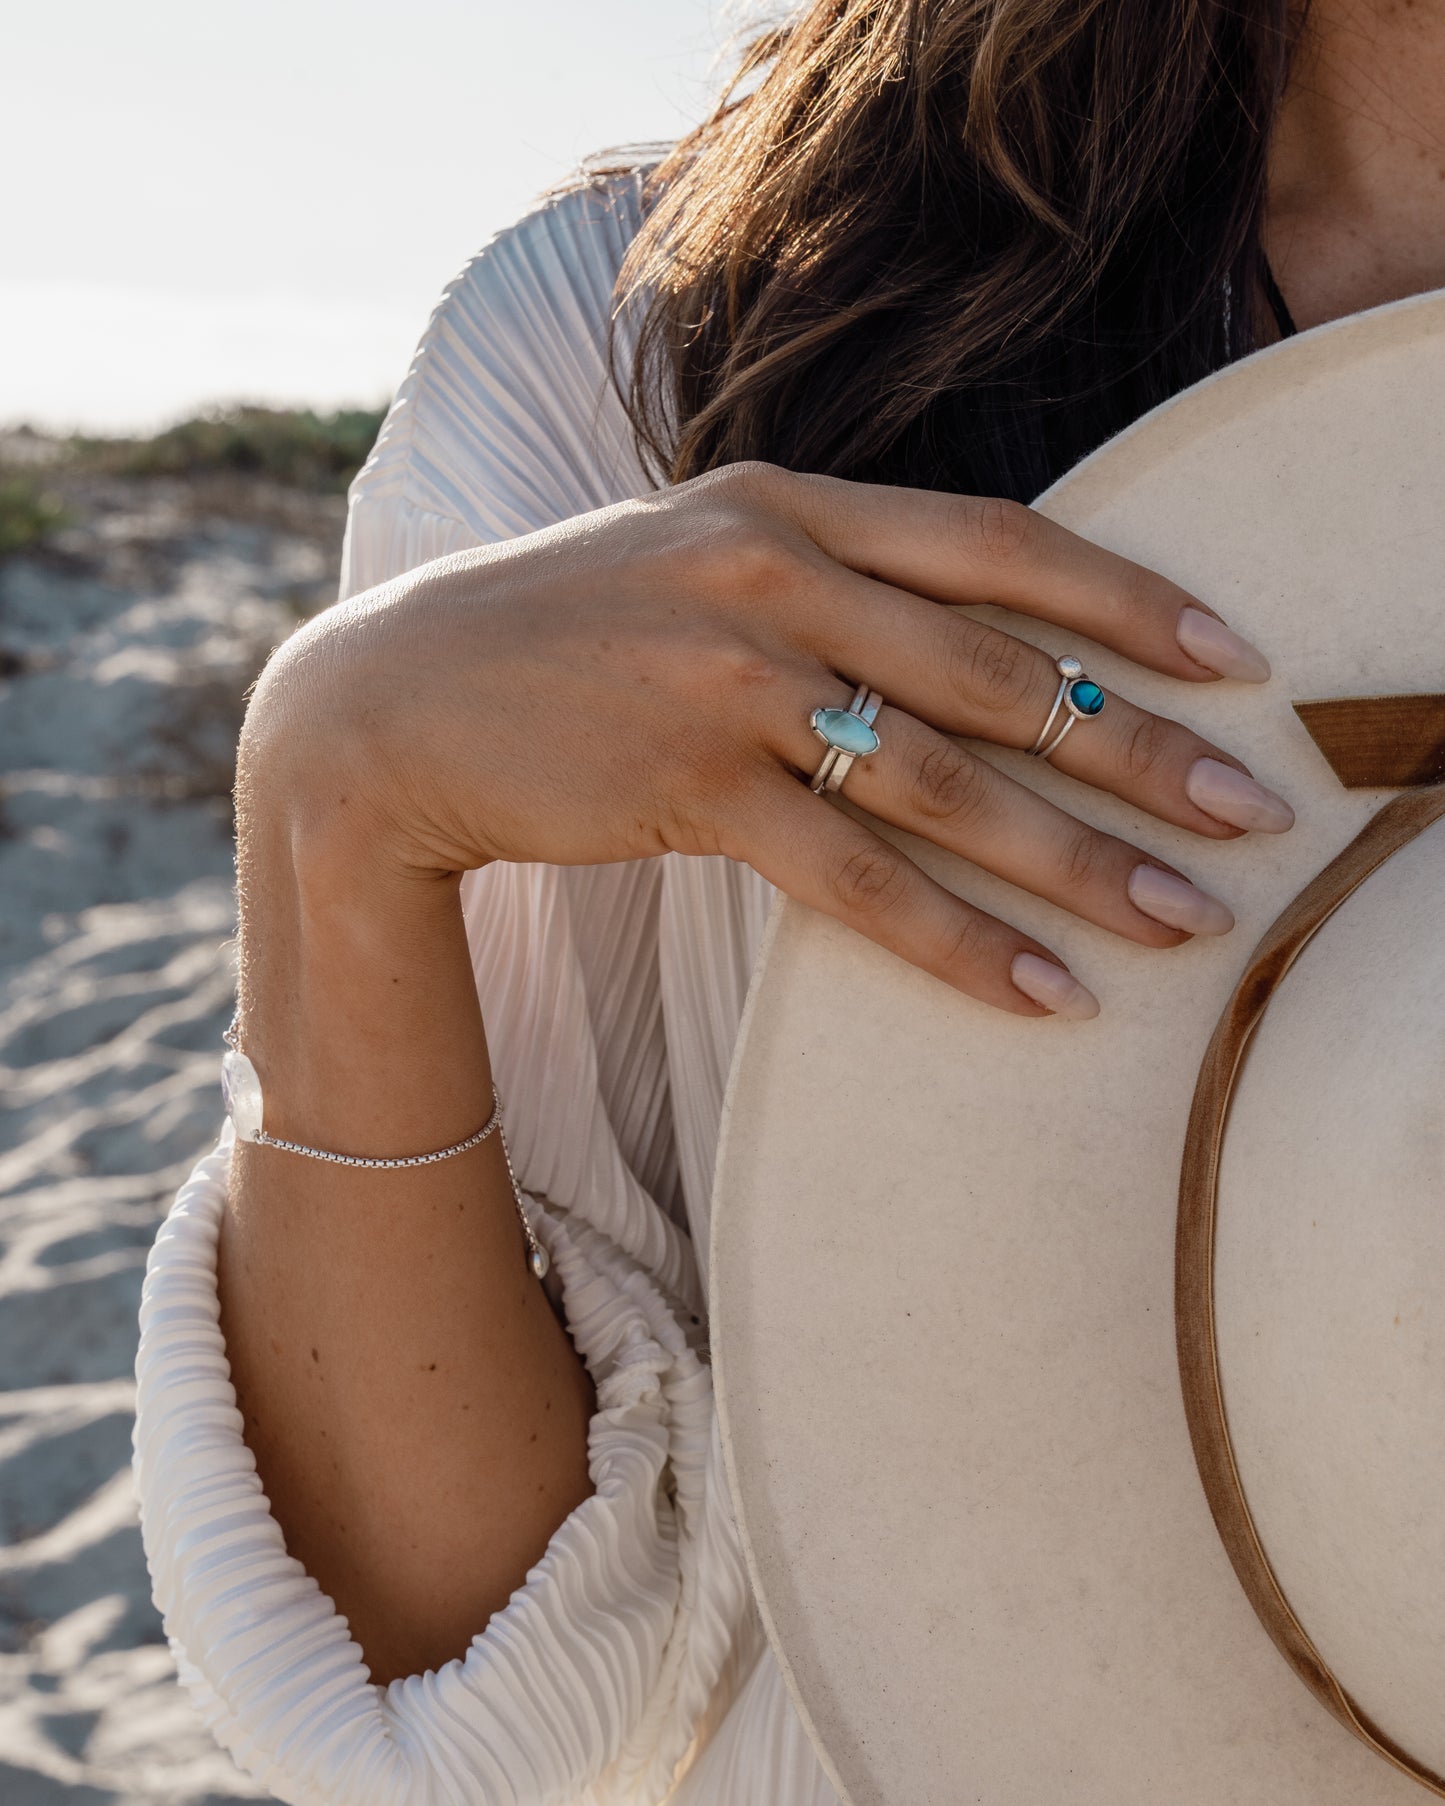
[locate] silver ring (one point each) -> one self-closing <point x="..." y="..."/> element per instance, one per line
<point x="1078" y="697"/>
<point x="848" y="734"/>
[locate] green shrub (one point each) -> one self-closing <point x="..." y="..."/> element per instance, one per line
<point x="294" y="446"/>
<point x="28" y="515"/>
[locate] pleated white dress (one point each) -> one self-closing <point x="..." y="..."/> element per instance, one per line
<point x="631" y="1665"/>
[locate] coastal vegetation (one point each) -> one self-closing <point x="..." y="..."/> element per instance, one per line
<point x="293" y="446"/>
<point x="297" y="450"/>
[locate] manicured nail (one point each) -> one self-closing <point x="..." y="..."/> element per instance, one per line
<point x="1209" y="642"/>
<point x="1176" y="903"/>
<point x="1228" y="795"/>
<point x="1053" y="986"/>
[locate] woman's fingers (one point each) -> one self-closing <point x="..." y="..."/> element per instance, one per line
<point x="933" y="787"/>
<point x="967" y="677"/>
<point x="828" y="860"/>
<point x="971" y="549"/>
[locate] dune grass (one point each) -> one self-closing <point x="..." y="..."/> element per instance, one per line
<point x="29" y="513"/>
<point x="280" y="452"/>
<point x="296" y="447"/>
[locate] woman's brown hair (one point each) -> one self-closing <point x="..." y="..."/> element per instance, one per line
<point x="956" y="243"/>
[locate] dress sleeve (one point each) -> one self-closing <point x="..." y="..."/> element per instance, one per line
<point x="604" y="1672"/>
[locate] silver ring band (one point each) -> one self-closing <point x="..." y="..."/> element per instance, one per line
<point x="844" y="743"/>
<point x="1078" y="698"/>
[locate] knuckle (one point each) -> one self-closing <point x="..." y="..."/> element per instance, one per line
<point x="993" y="670"/>
<point x="951" y="785"/>
<point x="739" y="542"/>
<point x="710" y="672"/>
<point x="751" y="482"/>
<point x="1002" y="531"/>
<point x="1081" y="859"/>
<point x="872" y="881"/>
<point x="738" y="666"/>
<point x="965" y="946"/>
<point x="1145" y="746"/>
<point x="744" y="548"/>
<point x="755" y="562"/>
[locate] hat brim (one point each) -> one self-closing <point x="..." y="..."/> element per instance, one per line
<point x="943" y="1238"/>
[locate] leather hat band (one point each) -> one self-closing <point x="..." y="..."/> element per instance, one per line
<point x="1374" y="744"/>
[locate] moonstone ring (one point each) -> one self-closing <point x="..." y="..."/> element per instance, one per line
<point x="848" y="735"/>
<point x="1078" y="697"/>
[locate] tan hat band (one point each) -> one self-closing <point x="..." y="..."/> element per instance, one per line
<point x="1366" y="736"/>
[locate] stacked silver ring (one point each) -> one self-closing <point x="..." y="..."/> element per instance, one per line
<point x="1078" y="697"/>
<point x="848" y="734"/>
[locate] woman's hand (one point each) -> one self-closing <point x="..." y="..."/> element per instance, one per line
<point x="641" y="680"/>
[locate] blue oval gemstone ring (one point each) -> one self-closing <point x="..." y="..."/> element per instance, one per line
<point x="848" y="734"/>
<point x="1078" y="698"/>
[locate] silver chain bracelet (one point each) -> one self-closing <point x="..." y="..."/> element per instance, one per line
<point x="241" y="1093"/>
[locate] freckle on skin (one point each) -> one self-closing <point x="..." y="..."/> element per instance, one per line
<point x="314" y="1355"/>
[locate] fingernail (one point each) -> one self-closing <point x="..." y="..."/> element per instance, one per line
<point x="1176" y="903"/>
<point x="1041" y="981"/>
<point x="1209" y="642"/>
<point x="1228" y="795"/>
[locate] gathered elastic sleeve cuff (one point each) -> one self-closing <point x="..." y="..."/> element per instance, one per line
<point x="588" y="1685"/>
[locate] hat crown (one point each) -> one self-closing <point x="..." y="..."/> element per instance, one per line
<point x="942" y="1264"/>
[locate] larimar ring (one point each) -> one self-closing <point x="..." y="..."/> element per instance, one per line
<point x="1078" y="698"/>
<point x="848" y="734"/>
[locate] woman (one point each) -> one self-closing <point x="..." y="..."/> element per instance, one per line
<point x="934" y="254"/>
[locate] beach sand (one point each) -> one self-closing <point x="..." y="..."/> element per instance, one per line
<point x="125" y="650"/>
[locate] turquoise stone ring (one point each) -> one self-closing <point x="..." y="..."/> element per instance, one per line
<point x="848" y="734"/>
<point x="1078" y="698"/>
<point x="1085" y="698"/>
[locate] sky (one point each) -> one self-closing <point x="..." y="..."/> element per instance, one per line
<point x="209" y="201"/>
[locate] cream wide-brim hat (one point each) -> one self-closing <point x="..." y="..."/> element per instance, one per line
<point x="980" y="1521"/>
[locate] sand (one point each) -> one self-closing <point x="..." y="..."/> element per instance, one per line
<point x="124" y="653"/>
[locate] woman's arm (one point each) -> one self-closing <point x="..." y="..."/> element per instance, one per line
<point x="417" y="1413"/>
<point x="595" y="1676"/>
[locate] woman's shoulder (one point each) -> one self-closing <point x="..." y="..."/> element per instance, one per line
<point x="514" y="369"/>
